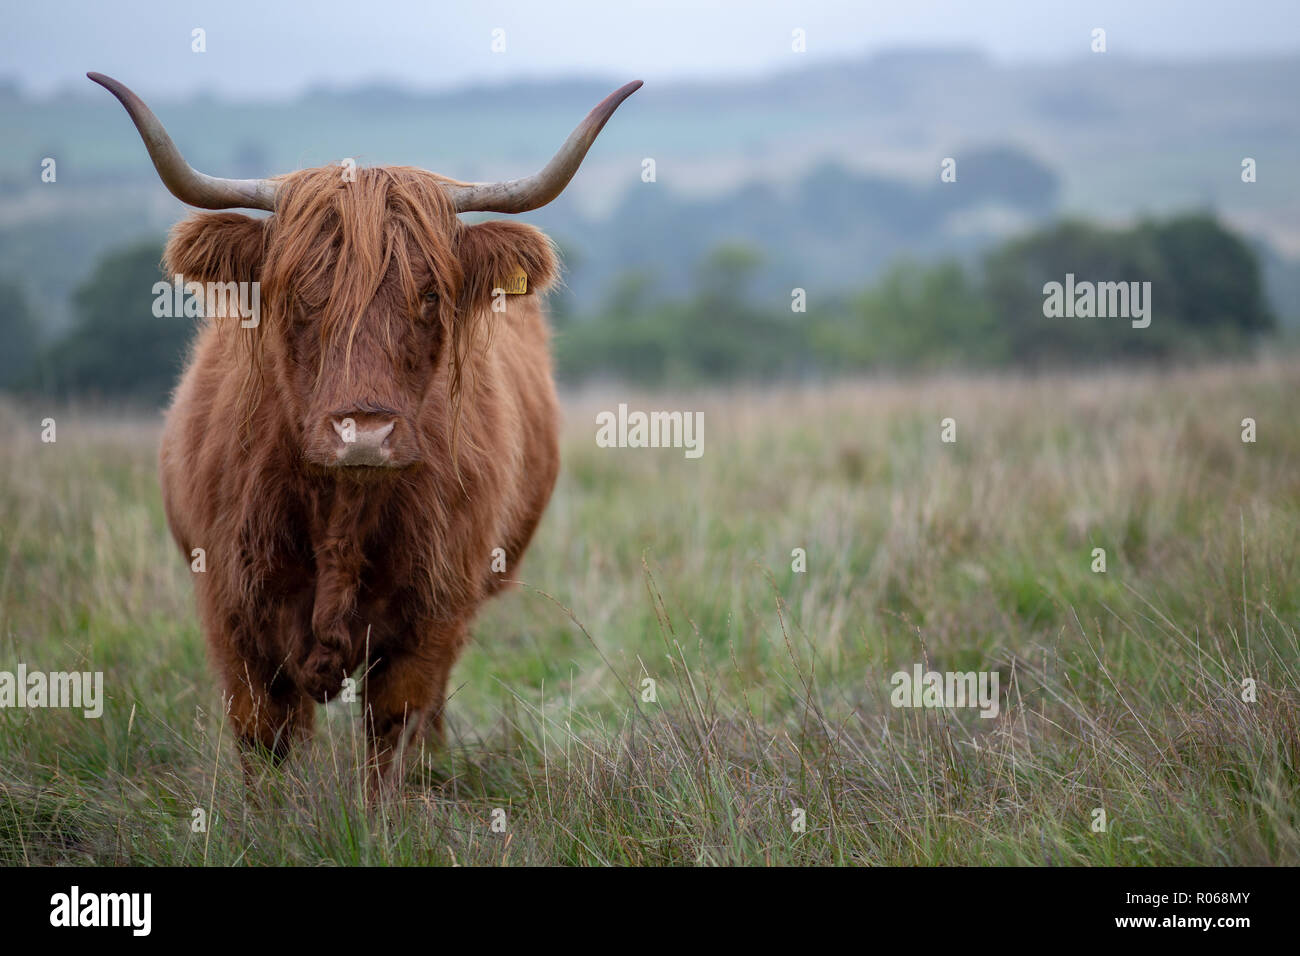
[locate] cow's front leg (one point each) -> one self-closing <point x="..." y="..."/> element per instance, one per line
<point x="268" y="713"/>
<point x="405" y="694"/>
<point x="339" y="561"/>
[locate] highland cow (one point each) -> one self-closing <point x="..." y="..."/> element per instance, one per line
<point x="349" y="462"/>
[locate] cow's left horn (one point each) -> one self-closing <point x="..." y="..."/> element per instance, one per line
<point x="531" y="192"/>
<point x="185" y="182"/>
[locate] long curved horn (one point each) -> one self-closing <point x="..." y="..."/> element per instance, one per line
<point x="531" y="192"/>
<point x="185" y="182"/>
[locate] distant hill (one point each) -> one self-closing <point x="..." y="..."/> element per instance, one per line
<point x="831" y="171"/>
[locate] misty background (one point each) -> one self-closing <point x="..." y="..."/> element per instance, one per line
<point x="778" y="165"/>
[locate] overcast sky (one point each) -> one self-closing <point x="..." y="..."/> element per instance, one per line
<point x="274" y="48"/>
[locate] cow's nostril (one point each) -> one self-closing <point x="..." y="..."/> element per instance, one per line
<point x="349" y="428"/>
<point x="362" y="439"/>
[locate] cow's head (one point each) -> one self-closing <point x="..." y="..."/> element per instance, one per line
<point x="372" y="291"/>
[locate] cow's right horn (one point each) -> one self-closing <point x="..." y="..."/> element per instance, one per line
<point x="185" y="182"/>
<point x="531" y="192"/>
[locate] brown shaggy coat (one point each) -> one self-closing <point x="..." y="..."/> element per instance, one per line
<point x="376" y="302"/>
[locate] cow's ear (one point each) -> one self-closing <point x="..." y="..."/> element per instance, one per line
<point x="496" y="254"/>
<point x="216" y="247"/>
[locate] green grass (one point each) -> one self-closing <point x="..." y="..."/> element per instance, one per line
<point x="1121" y="691"/>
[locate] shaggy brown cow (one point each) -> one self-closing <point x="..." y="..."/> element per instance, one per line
<point x="349" y="464"/>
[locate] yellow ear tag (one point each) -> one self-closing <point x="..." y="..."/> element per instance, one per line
<point x="516" y="283"/>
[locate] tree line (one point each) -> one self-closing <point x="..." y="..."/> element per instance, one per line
<point x="1207" y="298"/>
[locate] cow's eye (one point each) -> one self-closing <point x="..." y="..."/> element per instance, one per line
<point x="430" y="298"/>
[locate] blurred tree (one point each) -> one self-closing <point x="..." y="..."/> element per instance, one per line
<point x="718" y="334"/>
<point x="1206" y="291"/>
<point x="1215" y="277"/>
<point x="631" y="294"/>
<point x="916" y="316"/>
<point x="1016" y="272"/>
<point x="117" y="347"/>
<point x="722" y="276"/>
<point x="18" y="333"/>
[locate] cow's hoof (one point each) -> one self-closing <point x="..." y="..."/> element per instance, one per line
<point x="321" y="675"/>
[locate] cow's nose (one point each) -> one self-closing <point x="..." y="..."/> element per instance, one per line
<point x="362" y="439"/>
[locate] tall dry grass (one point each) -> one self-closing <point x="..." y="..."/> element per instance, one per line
<point x="1121" y="691"/>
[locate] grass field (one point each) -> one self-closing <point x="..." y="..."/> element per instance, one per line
<point x="1121" y="691"/>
